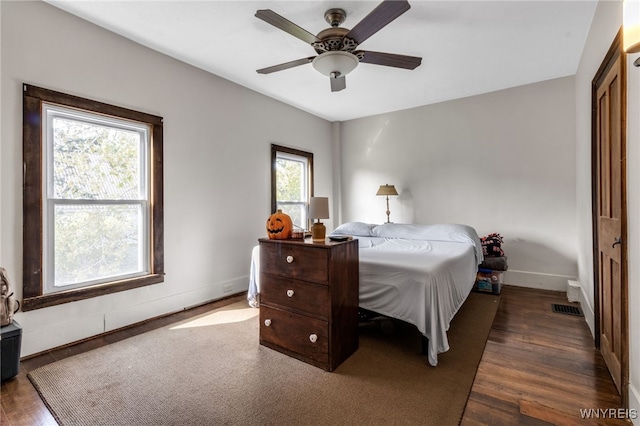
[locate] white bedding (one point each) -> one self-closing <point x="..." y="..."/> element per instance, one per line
<point x="420" y="274"/>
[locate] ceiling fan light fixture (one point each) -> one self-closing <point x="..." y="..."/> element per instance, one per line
<point x="335" y="61"/>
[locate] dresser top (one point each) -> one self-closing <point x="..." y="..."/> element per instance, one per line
<point x="307" y="241"/>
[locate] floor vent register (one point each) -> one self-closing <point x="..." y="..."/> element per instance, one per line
<point x="566" y="309"/>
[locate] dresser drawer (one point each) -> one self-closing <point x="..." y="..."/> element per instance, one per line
<point x="294" y="294"/>
<point x="294" y="261"/>
<point x="306" y="336"/>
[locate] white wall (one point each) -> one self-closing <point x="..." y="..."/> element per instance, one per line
<point x="217" y="138"/>
<point x="605" y="25"/>
<point x="501" y="162"/>
<point x="633" y="207"/>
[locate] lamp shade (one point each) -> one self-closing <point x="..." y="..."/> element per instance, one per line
<point x="335" y="61"/>
<point x="387" y="190"/>
<point x="631" y="26"/>
<point x="319" y="208"/>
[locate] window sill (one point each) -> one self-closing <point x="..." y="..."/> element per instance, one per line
<point x="53" y="299"/>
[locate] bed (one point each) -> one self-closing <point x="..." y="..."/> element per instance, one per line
<point x="420" y="274"/>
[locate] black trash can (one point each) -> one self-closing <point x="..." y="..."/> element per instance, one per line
<point x="10" y="340"/>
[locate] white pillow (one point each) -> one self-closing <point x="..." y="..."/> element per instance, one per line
<point x="434" y="232"/>
<point x="356" y="229"/>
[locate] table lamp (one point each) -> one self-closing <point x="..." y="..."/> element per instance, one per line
<point x="387" y="190"/>
<point x="318" y="209"/>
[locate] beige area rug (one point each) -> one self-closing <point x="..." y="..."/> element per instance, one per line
<point x="210" y="370"/>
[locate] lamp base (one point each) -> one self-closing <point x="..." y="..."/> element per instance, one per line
<point x="318" y="232"/>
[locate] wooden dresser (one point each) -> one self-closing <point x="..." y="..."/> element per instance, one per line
<point x="309" y="299"/>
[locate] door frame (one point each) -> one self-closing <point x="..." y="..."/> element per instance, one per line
<point x="616" y="50"/>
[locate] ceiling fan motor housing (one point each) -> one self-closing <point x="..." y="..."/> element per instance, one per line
<point x="335" y="17"/>
<point x="334" y="39"/>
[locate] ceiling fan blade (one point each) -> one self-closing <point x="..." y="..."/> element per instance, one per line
<point x="284" y="24"/>
<point x="379" y="17"/>
<point x="388" y="59"/>
<point x="338" y="83"/>
<point x="285" y="66"/>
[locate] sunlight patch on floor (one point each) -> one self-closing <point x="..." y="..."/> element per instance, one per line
<point x="219" y="317"/>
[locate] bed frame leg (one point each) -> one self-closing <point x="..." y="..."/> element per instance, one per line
<point x="424" y="344"/>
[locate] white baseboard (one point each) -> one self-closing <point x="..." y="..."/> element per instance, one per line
<point x="75" y="329"/>
<point x="587" y="309"/>
<point x="573" y="291"/>
<point x="172" y="303"/>
<point x="58" y="334"/>
<point x="537" y="280"/>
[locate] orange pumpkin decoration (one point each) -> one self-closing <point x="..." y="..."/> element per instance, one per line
<point x="279" y="226"/>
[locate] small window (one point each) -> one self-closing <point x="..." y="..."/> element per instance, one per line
<point x="92" y="199"/>
<point x="292" y="183"/>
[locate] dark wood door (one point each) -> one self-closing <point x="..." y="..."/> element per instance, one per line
<point x="610" y="212"/>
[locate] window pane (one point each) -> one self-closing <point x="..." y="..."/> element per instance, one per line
<point x="290" y="178"/>
<point x="297" y="212"/>
<point x="94" y="162"/>
<point x="94" y="242"/>
<point x="292" y="183"/>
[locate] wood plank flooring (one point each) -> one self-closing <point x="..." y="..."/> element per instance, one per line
<point x="538" y="367"/>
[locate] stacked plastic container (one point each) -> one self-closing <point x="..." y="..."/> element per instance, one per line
<point x="490" y="276"/>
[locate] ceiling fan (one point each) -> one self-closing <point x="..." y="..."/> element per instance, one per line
<point x="336" y="46"/>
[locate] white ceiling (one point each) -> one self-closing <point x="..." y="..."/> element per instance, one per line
<point x="468" y="47"/>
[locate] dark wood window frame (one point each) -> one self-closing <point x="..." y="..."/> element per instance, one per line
<point x="274" y="152"/>
<point x="33" y="238"/>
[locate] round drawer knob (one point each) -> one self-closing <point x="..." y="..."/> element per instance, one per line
<point x="290" y="293"/>
<point x="289" y="259"/>
<point x="267" y="322"/>
<point x="313" y="338"/>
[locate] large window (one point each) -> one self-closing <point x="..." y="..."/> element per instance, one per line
<point x="92" y="198"/>
<point x="291" y="183"/>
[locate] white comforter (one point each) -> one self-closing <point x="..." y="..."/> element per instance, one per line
<point x="420" y="274"/>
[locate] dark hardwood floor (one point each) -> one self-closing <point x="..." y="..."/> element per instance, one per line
<point x="538" y="367"/>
